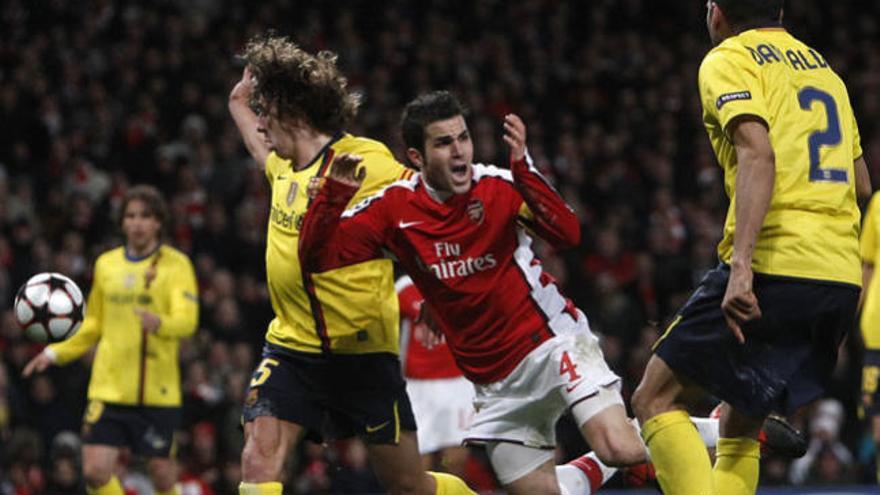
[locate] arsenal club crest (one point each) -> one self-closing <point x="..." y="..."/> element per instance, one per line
<point x="475" y="211"/>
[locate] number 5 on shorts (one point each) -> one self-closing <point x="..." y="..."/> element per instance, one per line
<point x="263" y="371"/>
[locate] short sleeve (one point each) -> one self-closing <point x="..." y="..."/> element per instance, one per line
<point x="730" y="86"/>
<point x="857" y="138"/>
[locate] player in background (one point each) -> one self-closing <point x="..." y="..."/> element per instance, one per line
<point x="143" y="301"/>
<point x="762" y="330"/>
<point x="331" y="352"/>
<point x="869" y="302"/>
<point x="442" y="398"/>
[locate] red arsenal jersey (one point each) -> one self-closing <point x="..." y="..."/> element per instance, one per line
<point x="469" y="255"/>
<point x="420" y="362"/>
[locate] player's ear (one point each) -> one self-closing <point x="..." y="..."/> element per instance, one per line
<point x="415" y="157"/>
<point x="718" y="18"/>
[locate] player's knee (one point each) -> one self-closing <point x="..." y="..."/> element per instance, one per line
<point x="96" y="473"/>
<point x="644" y="404"/>
<point x="406" y="483"/>
<point x="618" y="452"/>
<point x="163" y="473"/>
<point x="262" y="458"/>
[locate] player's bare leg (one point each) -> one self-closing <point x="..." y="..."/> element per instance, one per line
<point x="163" y="474"/>
<point x="99" y="463"/>
<point x="453" y="460"/>
<point x="267" y="441"/>
<point x="614" y="438"/>
<point x="541" y="480"/>
<point x="450" y="460"/>
<point x="399" y="468"/>
<point x="671" y="437"/>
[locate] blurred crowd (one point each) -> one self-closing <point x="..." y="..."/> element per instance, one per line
<point x="98" y="95"/>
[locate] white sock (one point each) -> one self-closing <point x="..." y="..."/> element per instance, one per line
<point x="574" y="481"/>
<point x="708" y="428"/>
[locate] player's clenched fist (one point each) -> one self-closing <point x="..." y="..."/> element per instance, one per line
<point x="345" y="169"/>
<point x="515" y="136"/>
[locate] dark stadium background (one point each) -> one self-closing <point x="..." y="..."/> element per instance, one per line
<point x="98" y="95"/>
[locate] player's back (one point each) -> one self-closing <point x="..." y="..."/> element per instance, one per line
<point x="811" y="228"/>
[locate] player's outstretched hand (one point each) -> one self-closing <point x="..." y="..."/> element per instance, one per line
<point x="427" y="329"/>
<point x="345" y="170"/>
<point x="243" y="88"/>
<point x="38" y="364"/>
<point x="740" y="305"/>
<point x="515" y="136"/>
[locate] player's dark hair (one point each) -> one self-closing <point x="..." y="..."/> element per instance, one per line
<point x="298" y="84"/>
<point x="152" y="200"/>
<point x="742" y="13"/>
<point x="426" y="109"/>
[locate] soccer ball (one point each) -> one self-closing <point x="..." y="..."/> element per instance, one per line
<point x="49" y="307"/>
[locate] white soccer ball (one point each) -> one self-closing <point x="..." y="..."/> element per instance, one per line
<point x="49" y="307"/>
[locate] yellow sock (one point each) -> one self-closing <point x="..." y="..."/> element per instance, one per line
<point x="268" y="488"/>
<point x="171" y="491"/>
<point x="112" y="487"/>
<point x="448" y="484"/>
<point x="679" y="455"/>
<point x="736" y="466"/>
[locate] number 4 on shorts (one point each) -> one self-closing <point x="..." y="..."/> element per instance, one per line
<point x="566" y="366"/>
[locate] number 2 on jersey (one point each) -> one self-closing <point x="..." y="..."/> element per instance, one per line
<point x="829" y="137"/>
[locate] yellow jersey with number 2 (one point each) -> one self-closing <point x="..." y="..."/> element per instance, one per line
<point x="811" y="230"/>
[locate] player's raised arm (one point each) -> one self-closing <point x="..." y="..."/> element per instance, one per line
<point x="553" y="219"/>
<point x="328" y="241"/>
<point x="245" y="118"/>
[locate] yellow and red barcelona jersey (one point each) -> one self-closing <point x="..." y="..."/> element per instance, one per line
<point x="812" y="226"/>
<point x="870" y="246"/>
<point x="352" y="310"/>
<point x="132" y="367"/>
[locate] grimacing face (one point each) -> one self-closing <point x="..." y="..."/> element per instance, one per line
<point x="447" y="163"/>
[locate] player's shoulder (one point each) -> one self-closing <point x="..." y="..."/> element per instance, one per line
<point x="399" y="191"/>
<point x="111" y="256"/>
<point x="361" y="145"/>
<point x="275" y="164"/>
<point x="175" y="256"/>
<point x="874" y="203"/>
<point x="731" y="53"/>
<point x="403" y="283"/>
<point x="491" y="173"/>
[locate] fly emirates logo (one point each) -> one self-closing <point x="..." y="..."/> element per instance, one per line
<point x="451" y="265"/>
